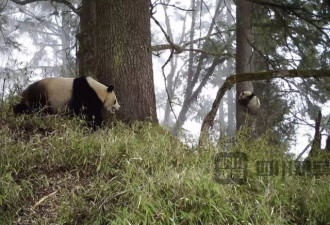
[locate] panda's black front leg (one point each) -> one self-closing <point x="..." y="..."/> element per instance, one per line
<point x="94" y="120"/>
<point x="97" y="122"/>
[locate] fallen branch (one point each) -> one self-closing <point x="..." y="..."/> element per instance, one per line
<point x="174" y="6"/>
<point x="233" y="79"/>
<point x="44" y="199"/>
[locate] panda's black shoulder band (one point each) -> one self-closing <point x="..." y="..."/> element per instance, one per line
<point x="110" y="88"/>
<point x="251" y="96"/>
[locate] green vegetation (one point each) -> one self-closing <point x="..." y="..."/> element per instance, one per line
<point x="55" y="171"/>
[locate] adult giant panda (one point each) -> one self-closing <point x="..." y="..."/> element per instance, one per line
<point x="81" y="96"/>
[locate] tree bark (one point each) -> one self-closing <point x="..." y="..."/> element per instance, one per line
<point x="120" y="52"/>
<point x="86" y="54"/>
<point x="222" y="123"/>
<point x="327" y="144"/>
<point x="231" y="129"/>
<point x="231" y="126"/>
<point x="316" y="144"/>
<point x="243" y="53"/>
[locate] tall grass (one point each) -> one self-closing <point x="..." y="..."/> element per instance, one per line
<point x="53" y="170"/>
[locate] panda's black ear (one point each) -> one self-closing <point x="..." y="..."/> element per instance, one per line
<point x="110" y="88"/>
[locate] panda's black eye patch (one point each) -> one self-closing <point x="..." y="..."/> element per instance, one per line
<point x="115" y="101"/>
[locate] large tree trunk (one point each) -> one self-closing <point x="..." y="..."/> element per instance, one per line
<point x="222" y="123"/>
<point x="86" y="55"/>
<point x="231" y="130"/>
<point x="123" y="55"/>
<point x="243" y="52"/>
<point x="316" y="143"/>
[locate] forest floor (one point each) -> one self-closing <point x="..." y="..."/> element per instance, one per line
<point x="54" y="170"/>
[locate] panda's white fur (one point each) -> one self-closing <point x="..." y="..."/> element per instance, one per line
<point x="82" y="95"/>
<point x="59" y="92"/>
<point x="250" y="101"/>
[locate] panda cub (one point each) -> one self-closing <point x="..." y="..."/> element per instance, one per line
<point x="250" y="102"/>
<point x="80" y="96"/>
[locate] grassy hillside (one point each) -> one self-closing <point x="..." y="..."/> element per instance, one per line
<point x="55" y="171"/>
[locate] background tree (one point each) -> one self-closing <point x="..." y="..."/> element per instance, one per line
<point x="278" y="32"/>
<point x="35" y="39"/>
<point x="244" y="57"/>
<point x="203" y="48"/>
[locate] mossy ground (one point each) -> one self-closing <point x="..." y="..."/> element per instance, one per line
<point x="54" y="170"/>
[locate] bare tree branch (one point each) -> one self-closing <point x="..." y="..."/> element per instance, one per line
<point x="303" y="151"/>
<point x="65" y="2"/>
<point x="4" y="5"/>
<point x="177" y="48"/>
<point x="25" y="2"/>
<point x="164" y="76"/>
<point x="174" y="6"/>
<point x="68" y="4"/>
<point x="182" y="47"/>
